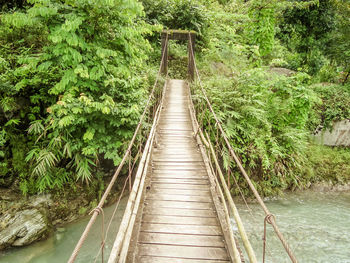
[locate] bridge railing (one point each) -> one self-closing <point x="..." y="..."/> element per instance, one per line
<point x="133" y="157"/>
<point x="216" y="143"/>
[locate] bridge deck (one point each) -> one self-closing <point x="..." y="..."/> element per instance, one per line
<point x="178" y="221"/>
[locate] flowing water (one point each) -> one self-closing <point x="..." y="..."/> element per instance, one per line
<point x="58" y="248"/>
<point x="317" y="226"/>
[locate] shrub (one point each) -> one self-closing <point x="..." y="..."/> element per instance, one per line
<point x="265" y="120"/>
<point x="70" y="74"/>
<point x="177" y="14"/>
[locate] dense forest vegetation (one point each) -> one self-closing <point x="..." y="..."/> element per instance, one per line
<point x="74" y="76"/>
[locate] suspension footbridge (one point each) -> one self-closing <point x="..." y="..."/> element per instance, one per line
<point x="180" y="206"/>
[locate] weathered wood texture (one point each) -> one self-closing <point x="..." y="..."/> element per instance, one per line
<point x="178" y="220"/>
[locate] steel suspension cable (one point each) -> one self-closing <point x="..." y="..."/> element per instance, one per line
<point x="272" y="220"/>
<point x="117" y="172"/>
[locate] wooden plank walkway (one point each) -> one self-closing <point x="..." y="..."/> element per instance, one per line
<point x="178" y="221"/>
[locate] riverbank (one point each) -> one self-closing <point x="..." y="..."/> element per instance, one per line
<point x="59" y="245"/>
<point x="315" y="224"/>
<point x="25" y="220"/>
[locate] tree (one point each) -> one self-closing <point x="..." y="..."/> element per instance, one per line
<point x="306" y="31"/>
<point x="264" y="16"/>
<point x="339" y="48"/>
<point x="70" y="76"/>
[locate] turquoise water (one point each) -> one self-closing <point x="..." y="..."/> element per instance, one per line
<point x="59" y="246"/>
<point x="316" y="225"/>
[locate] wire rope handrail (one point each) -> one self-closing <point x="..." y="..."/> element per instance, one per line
<point x="272" y="219"/>
<point x="95" y="212"/>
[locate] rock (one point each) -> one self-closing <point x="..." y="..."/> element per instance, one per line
<point x="41" y="201"/>
<point x="22" y="228"/>
<point x="338" y="135"/>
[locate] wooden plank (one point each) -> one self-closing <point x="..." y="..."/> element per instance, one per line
<point x="183" y="252"/>
<point x="174" y="155"/>
<point x="180" y="181"/>
<point x="176" y="159"/>
<point x="184" y="122"/>
<point x="182" y="136"/>
<point x="178" y="211"/>
<point x="179" y="176"/>
<point x="171" y="169"/>
<point x="175" y="137"/>
<point x="155" y="259"/>
<point x="175" y="132"/>
<point x="174" y="144"/>
<point x="175" y="127"/>
<point x="175" y="117"/>
<point x="178" y="162"/>
<point x="181" y="229"/>
<point x="177" y="148"/>
<point x="178" y="204"/>
<point x="203" y="192"/>
<point x="162" y="149"/>
<point x="173" y="113"/>
<point x="180" y="220"/>
<point x="181" y="121"/>
<point x="179" y="172"/>
<point x="184" y="240"/>
<point x="183" y="198"/>
<point x="179" y="186"/>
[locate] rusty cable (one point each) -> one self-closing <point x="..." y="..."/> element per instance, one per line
<point x="240" y="166"/>
<point x="116" y="174"/>
<point x="99" y="210"/>
<point x="138" y="154"/>
<point x="268" y="220"/>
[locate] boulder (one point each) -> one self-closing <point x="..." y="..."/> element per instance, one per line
<point x="22" y="227"/>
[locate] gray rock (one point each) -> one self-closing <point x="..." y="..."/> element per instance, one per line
<point x="22" y="228"/>
<point x="41" y="201"/>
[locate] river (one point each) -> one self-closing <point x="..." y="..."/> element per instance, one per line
<point x="317" y="226"/>
<point x="58" y="247"/>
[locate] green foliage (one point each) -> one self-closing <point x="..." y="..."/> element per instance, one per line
<point x="333" y="105"/>
<point x="73" y="78"/>
<point x="305" y="31"/>
<point x="177" y="14"/>
<point x="263" y="21"/>
<point x="70" y="74"/>
<point x="328" y="164"/>
<point x="262" y="28"/>
<point x="339" y="46"/>
<point x="265" y="120"/>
